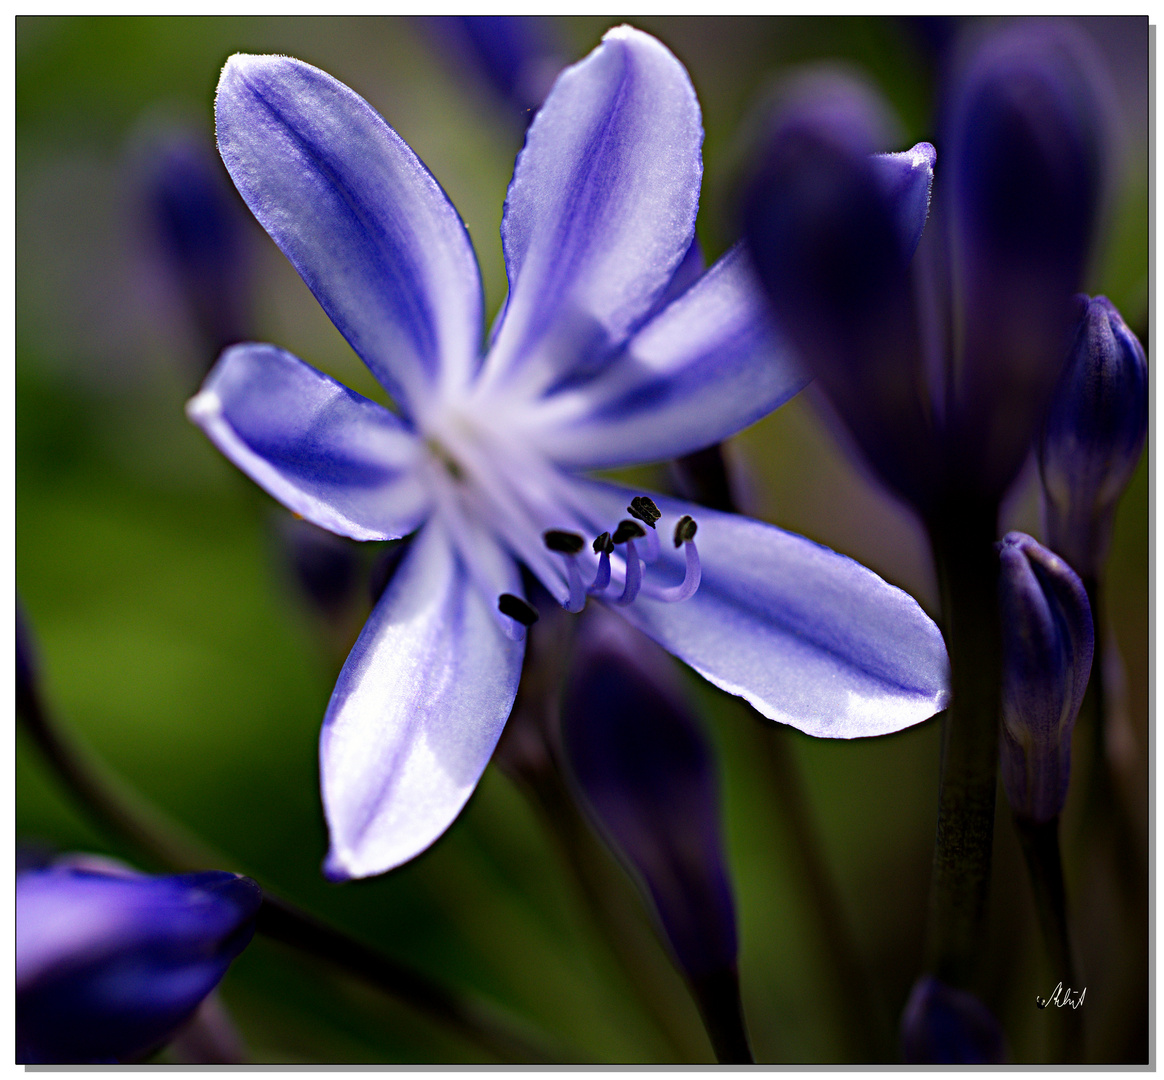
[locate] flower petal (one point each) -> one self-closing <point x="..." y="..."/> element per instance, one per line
<point x="360" y="217"/>
<point x="601" y="209"/>
<point x="809" y="637"/>
<point x="708" y="365"/>
<point x="416" y="712"/>
<point x="332" y="456"/>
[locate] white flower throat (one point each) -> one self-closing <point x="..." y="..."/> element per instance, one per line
<point x="486" y="477"/>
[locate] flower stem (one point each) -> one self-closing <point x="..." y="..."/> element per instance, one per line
<point x="718" y="997"/>
<point x="624" y="932"/>
<point x="962" y="537"/>
<point x="860" y="1018"/>
<point x="166" y="844"/>
<point x="1040" y="844"/>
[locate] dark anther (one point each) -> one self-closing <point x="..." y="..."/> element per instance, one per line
<point x="603" y="543"/>
<point x="628" y="530"/>
<point x="644" y="509"/>
<point x="567" y="543"/>
<point x="685" y="529"/>
<point x="517" y="609"/>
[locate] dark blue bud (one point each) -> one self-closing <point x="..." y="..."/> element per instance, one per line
<point x="832" y="226"/>
<point x="907" y="179"/>
<point x="325" y="567"/>
<point x="646" y="777"/>
<point x="944" y="1026"/>
<point x="1025" y="148"/>
<point x="1047" y="646"/>
<point x="26" y="665"/>
<point x="516" y="55"/>
<point x="1093" y="436"/>
<point x="200" y="230"/>
<point x="109" y="963"/>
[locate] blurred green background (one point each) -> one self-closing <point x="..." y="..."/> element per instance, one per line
<point x="171" y="641"/>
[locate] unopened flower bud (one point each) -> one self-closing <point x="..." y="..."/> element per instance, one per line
<point x="1048" y="641"/>
<point x="199" y="230"/>
<point x="1025" y="154"/>
<point x="1093" y="436"/>
<point x="646" y="776"/>
<point x="944" y="1026"/>
<point x="109" y="963"/>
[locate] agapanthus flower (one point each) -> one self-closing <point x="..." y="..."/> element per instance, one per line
<point x="483" y="458"/>
<point x="109" y="962"/>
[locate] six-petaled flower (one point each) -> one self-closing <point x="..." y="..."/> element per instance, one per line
<point x="591" y="364"/>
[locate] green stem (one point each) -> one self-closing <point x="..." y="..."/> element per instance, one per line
<point x="1040" y="844"/>
<point x="963" y="539"/>
<point x="718" y="997"/>
<point x="598" y="881"/>
<point x="129" y="816"/>
<point x="861" y="1018"/>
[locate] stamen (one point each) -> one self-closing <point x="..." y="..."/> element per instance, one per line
<point x="603" y="546"/>
<point x="565" y="543"/>
<point x="644" y="509"/>
<point x="686" y="588"/>
<point x="517" y="609"/>
<point x="634" y="571"/>
<point x="685" y="529"/>
<point x="627" y="531"/>
<point x="568" y="544"/>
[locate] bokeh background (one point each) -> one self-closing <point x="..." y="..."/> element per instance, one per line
<point x="173" y="642"/>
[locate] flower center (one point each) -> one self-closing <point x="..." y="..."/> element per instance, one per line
<point x="488" y="480"/>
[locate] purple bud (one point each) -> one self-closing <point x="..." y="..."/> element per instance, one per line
<point x="1093" y="436"/>
<point x="646" y="776"/>
<point x="26" y="665"/>
<point x="906" y="179"/>
<point x="832" y="226"/>
<point x="110" y="963"/>
<point x="325" y="567"/>
<point x="1047" y="643"/>
<point x="944" y="1026"/>
<point x="1025" y="148"/>
<point x="200" y="231"/>
<point x="515" y="54"/>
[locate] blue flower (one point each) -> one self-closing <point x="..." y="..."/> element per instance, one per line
<point x="485" y="454"/>
<point x="939" y="359"/>
<point x="1047" y="646"/>
<point x="109" y="963"/>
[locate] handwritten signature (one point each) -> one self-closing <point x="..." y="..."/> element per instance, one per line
<point x="1061" y="997"/>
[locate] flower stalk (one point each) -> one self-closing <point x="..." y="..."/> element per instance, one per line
<point x="167" y="844"/>
<point x="1040" y="844"/>
<point x="962" y="538"/>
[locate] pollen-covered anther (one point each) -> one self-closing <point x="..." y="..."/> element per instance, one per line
<point x="644" y="509"/>
<point x="569" y="544"/>
<point x="685" y="529"/>
<point x="565" y="543"/>
<point x="603" y="545"/>
<point x="517" y="609"/>
<point x="628" y="531"/>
